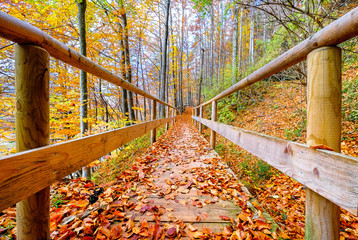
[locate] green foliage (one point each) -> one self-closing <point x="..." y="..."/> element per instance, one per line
<point x="294" y="134"/>
<point x="254" y="168"/>
<point x="220" y="149"/>
<point x="57" y="200"/>
<point x="350" y="100"/>
<point x="225" y="113"/>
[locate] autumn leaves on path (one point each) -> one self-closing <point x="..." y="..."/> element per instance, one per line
<point x="179" y="189"/>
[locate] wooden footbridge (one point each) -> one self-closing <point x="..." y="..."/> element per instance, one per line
<point x="186" y="181"/>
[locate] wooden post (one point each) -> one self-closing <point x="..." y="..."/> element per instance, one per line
<point x="323" y="127"/>
<point x="213" y="117"/>
<point x="201" y="116"/>
<point x="167" y="115"/>
<point x="196" y="114"/>
<point x="32" y="131"/>
<point x="153" y="133"/>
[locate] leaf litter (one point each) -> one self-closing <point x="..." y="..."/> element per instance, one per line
<point x="178" y="189"/>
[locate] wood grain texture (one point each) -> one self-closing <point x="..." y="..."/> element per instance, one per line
<point x="323" y="127"/>
<point x="153" y="133"/>
<point x="201" y="116"/>
<point x="332" y="175"/>
<point x="25" y="173"/>
<point x="214" y="114"/>
<point x="19" y="31"/>
<point x="32" y="131"/>
<point x="167" y="114"/>
<point x="344" y="28"/>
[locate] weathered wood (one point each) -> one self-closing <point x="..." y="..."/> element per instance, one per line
<point x="32" y="131"/>
<point x="167" y="109"/>
<point x="153" y="133"/>
<point x="346" y="27"/>
<point x="19" y="31"/>
<point x="200" y="115"/>
<point x="196" y="114"/>
<point x="323" y="127"/>
<point x="213" y="118"/>
<point x="23" y="174"/>
<point x="332" y="175"/>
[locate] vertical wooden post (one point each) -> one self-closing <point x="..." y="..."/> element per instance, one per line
<point x="213" y="117"/>
<point x="167" y="115"/>
<point x="201" y="116"/>
<point x="153" y="133"/>
<point x="192" y="113"/>
<point x="32" y="131"/>
<point x="323" y="127"/>
<point x="196" y="114"/>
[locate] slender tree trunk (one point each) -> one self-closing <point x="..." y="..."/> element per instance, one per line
<point x="234" y="43"/>
<point x="252" y="35"/>
<point x="124" y="75"/>
<point x="181" y="63"/>
<point x="201" y="75"/>
<point x="212" y="46"/>
<point x="127" y="63"/>
<point x="163" y="60"/>
<point x="240" y="43"/>
<point x="81" y="16"/>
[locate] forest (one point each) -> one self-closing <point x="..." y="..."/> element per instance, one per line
<point x="184" y="52"/>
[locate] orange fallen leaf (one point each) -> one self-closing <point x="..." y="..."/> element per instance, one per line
<point x="321" y="146"/>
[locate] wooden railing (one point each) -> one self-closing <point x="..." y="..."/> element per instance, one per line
<point x="28" y="174"/>
<point x="331" y="177"/>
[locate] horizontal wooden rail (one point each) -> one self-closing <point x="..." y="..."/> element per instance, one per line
<point x="330" y="174"/>
<point x="25" y="173"/>
<point x="335" y="33"/>
<point x="19" y="31"/>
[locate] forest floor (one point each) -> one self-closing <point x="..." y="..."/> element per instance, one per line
<point x="280" y="112"/>
<point x="178" y="189"/>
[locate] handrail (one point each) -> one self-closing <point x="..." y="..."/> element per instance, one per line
<point x="326" y="172"/>
<point x="30" y="171"/>
<point x="343" y="29"/>
<point x="22" y="32"/>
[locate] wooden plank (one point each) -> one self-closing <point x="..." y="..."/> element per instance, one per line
<point x="323" y="127"/>
<point x="23" y="174"/>
<point x="346" y="27"/>
<point x="153" y="133"/>
<point x="330" y="174"/>
<point x="32" y="131"/>
<point x="19" y="31"/>
<point x="214" y="115"/>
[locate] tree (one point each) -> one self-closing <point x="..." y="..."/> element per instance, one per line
<point x="163" y="62"/>
<point x="81" y="4"/>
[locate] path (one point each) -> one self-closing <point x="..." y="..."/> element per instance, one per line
<point x="184" y="189"/>
<point x="179" y="189"/>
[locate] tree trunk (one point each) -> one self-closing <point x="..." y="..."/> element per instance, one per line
<point x="234" y="43"/>
<point x="201" y="75"/>
<point x="127" y="63"/>
<point x="240" y="43"/>
<point x="124" y="75"/>
<point x="81" y="16"/>
<point x="163" y="60"/>
<point x="252" y="36"/>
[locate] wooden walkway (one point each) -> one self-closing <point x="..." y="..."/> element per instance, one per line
<point x="182" y="189"/>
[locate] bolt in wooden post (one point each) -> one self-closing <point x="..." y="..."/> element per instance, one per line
<point x="201" y="116"/>
<point x="32" y="131"/>
<point x="213" y="117"/>
<point x="153" y="135"/>
<point x="323" y="127"/>
<point x="167" y="115"/>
